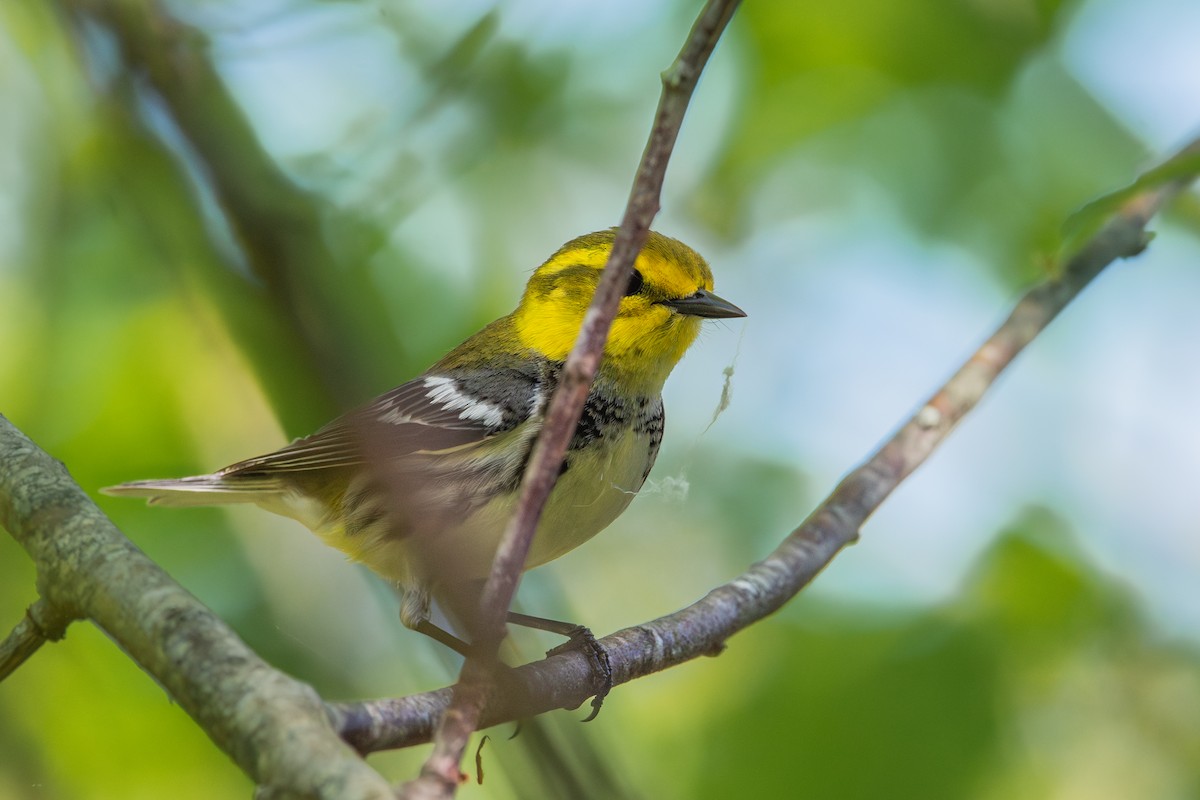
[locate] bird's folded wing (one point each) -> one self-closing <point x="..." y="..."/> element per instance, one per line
<point x="430" y="414"/>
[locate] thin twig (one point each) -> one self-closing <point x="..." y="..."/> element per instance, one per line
<point x="566" y="680"/>
<point x="441" y="773"/>
<point x="42" y="623"/>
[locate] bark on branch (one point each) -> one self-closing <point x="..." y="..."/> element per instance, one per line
<point x="42" y="623"/>
<point x="274" y="727"/>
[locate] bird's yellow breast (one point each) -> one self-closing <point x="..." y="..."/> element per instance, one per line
<point x="599" y="483"/>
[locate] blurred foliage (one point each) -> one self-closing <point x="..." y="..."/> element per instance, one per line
<point x="958" y="108"/>
<point x="1038" y="680"/>
<point x="183" y="284"/>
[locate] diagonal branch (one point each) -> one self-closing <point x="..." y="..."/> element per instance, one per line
<point x="274" y="727"/>
<point x="440" y="774"/>
<point x="566" y="680"/>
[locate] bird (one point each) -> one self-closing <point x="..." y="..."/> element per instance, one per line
<point x="419" y="483"/>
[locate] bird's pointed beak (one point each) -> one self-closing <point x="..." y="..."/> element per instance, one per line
<point x="705" y="304"/>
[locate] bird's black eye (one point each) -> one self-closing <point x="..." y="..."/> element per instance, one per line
<point x="635" y="283"/>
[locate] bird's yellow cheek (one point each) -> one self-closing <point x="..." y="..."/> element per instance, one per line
<point x="636" y="332"/>
<point x="651" y="343"/>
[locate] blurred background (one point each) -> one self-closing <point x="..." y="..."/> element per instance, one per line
<point x="223" y="222"/>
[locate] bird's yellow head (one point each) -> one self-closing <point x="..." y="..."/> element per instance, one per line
<point x="668" y="295"/>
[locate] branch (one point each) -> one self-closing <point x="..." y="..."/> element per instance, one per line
<point x="566" y="680"/>
<point x="42" y="623"/>
<point x="274" y="727"/>
<point x="440" y="773"/>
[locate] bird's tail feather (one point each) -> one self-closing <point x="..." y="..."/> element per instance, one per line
<point x="198" y="490"/>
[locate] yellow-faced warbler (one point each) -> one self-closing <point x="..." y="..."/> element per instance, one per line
<point x="419" y="483"/>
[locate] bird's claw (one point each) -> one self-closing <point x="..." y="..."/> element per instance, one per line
<point x="582" y="638"/>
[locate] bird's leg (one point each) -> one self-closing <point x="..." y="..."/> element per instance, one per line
<point x="579" y="637"/>
<point x="443" y="636"/>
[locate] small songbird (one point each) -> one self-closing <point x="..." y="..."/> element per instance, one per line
<point x="419" y="483"/>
